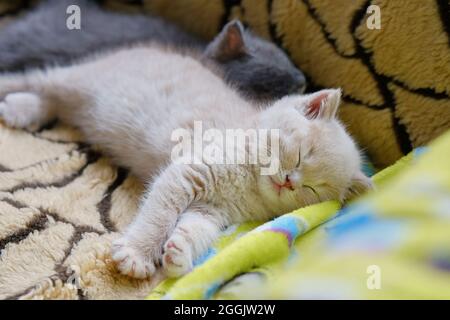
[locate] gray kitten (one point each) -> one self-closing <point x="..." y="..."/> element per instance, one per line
<point x="256" y="67"/>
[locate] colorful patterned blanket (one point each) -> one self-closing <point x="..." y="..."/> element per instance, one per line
<point x="391" y="243"/>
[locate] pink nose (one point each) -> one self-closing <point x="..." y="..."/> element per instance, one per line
<point x="288" y="183"/>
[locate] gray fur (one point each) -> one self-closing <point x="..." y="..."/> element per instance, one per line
<point x="41" y="38"/>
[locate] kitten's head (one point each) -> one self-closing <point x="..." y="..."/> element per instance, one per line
<point x="318" y="159"/>
<point x="257" y="67"/>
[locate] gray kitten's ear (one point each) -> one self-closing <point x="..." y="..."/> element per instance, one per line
<point x="322" y="104"/>
<point x="229" y="43"/>
<point x="360" y="184"/>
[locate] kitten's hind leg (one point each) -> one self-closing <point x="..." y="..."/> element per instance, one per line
<point x="21" y="101"/>
<point x="24" y="110"/>
<point x="193" y="235"/>
<point x="33" y="99"/>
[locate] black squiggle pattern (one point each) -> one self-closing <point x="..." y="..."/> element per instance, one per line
<point x="92" y="157"/>
<point x="104" y="206"/>
<point x="444" y="12"/>
<point x="312" y="85"/>
<point x="428" y="92"/>
<point x="400" y="131"/>
<point x="37" y="223"/>
<point x="328" y="36"/>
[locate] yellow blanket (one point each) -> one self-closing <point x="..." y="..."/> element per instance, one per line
<point x="392" y="243"/>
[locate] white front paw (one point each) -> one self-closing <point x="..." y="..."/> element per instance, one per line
<point x="177" y="258"/>
<point x="21" y="109"/>
<point x="131" y="260"/>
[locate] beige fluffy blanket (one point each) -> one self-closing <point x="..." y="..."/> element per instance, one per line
<point x="61" y="205"/>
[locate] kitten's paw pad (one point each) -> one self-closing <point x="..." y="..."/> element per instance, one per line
<point x="130" y="261"/>
<point x="177" y="258"/>
<point x="21" y="109"/>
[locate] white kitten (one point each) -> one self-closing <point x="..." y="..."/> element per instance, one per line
<point x="130" y="101"/>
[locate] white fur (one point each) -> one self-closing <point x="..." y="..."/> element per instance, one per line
<point x="27" y="103"/>
<point x="130" y="101"/>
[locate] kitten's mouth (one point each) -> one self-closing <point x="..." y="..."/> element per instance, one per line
<point x="278" y="186"/>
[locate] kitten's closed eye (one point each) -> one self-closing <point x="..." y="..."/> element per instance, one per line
<point x="297" y="165"/>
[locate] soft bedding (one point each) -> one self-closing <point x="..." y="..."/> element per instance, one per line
<point x="393" y="243"/>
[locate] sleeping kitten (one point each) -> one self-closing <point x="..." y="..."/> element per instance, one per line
<point x="256" y="67"/>
<point x="130" y="102"/>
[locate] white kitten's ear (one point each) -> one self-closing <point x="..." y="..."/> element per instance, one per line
<point x="322" y="104"/>
<point x="360" y="184"/>
<point x="229" y="44"/>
